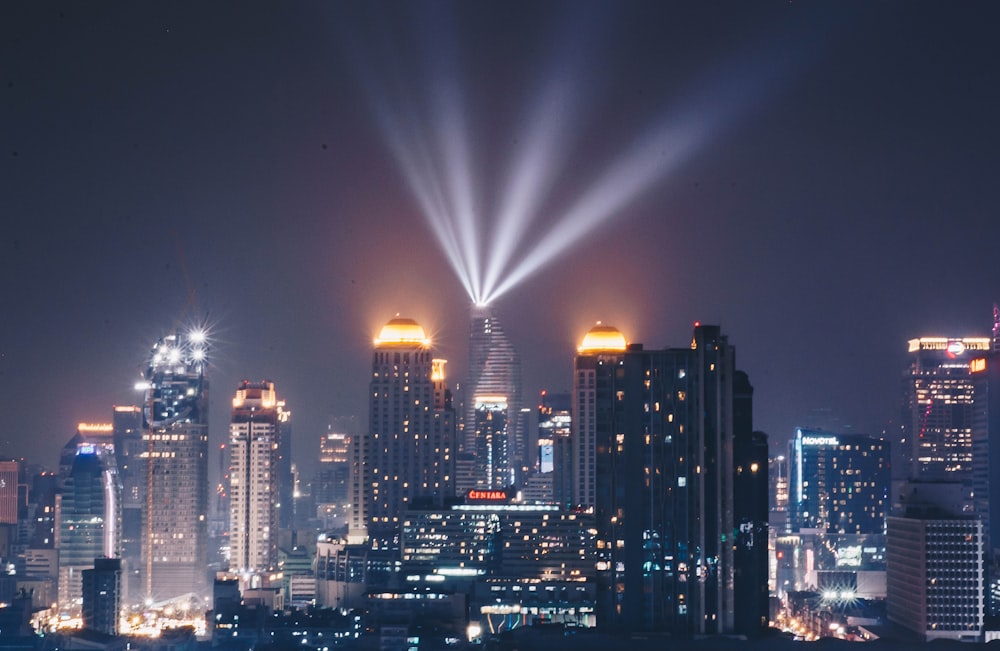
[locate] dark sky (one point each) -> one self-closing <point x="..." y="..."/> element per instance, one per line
<point x="160" y="161"/>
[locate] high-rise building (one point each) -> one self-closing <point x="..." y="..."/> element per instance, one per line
<point x="492" y="430"/>
<point x="253" y="480"/>
<point x="88" y="516"/>
<point x="601" y="351"/>
<point x="750" y="514"/>
<point x="936" y="424"/>
<point x="127" y="431"/>
<point x="656" y="432"/>
<point x="175" y="467"/>
<point x="985" y="371"/>
<point x="554" y="418"/>
<point x="554" y="433"/>
<point x="408" y="455"/>
<point x="494" y="370"/>
<point x="8" y="491"/>
<point x="102" y="596"/>
<point x="332" y="486"/>
<point x="934" y="574"/>
<point x="839" y="482"/>
<point x="100" y="435"/>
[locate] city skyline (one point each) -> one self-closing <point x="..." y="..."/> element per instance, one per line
<point x="190" y="163"/>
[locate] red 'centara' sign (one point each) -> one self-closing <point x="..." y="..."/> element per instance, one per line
<point x="474" y="494"/>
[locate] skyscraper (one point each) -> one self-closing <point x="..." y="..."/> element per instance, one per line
<point x="839" y="482"/>
<point x="331" y="489"/>
<point x="750" y="514"/>
<point x="175" y="466"/>
<point x="985" y="372"/>
<point x="936" y="425"/>
<point x="129" y="446"/>
<point x="492" y="429"/>
<point x="660" y="427"/>
<point x="600" y="353"/>
<point x="102" y="595"/>
<point x="408" y="455"/>
<point x="494" y="370"/>
<point x="88" y="516"/>
<point x="554" y="442"/>
<point x="253" y="480"/>
<point x="8" y="491"/>
<point x="934" y="574"/>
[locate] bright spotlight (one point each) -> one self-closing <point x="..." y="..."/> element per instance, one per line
<point x="196" y="336"/>
<point x="430" y="140"/>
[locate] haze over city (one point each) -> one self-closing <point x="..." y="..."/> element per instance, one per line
<point x="822" y="189"/>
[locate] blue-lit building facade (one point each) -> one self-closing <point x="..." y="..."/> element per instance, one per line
<point x="838" y="501"/>
<point x="175" y="467"/>
<point x="88" y="516"/>
<point x="839" y="483"/>
<point x="663" y="427"/>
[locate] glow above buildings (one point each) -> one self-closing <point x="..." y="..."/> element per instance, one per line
<point x="953" y="345"/>
<point x="95" y="428"/>
<point x="425" y="120"/>
<point x="401" y="332"/>
<point x="602" y="338"/>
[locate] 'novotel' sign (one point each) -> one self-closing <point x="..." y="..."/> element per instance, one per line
<point x="487" y="496"/>
<point x="820" y="440"/>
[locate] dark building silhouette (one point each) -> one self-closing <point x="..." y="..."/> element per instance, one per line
<point x="664" y="425"/>
<point x="750" y="504"/>
<point x="102" y="595"/>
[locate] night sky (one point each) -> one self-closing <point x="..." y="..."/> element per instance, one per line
<point x="166" y="163"/>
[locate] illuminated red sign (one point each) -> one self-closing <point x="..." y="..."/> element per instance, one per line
<point x="487" y="496"/>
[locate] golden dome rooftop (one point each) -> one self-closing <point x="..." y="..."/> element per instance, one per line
<point x="402" y="332"/>
<point x="603" y="339"/>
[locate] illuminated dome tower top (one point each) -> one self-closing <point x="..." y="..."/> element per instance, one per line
<point x="603" y="339"/>
<point x="401" y="332"/>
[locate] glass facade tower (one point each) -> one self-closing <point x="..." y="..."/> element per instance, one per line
<point x="175" y="467"/>
<point x="495" y="370"/>
<point x="88" y="513"/>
